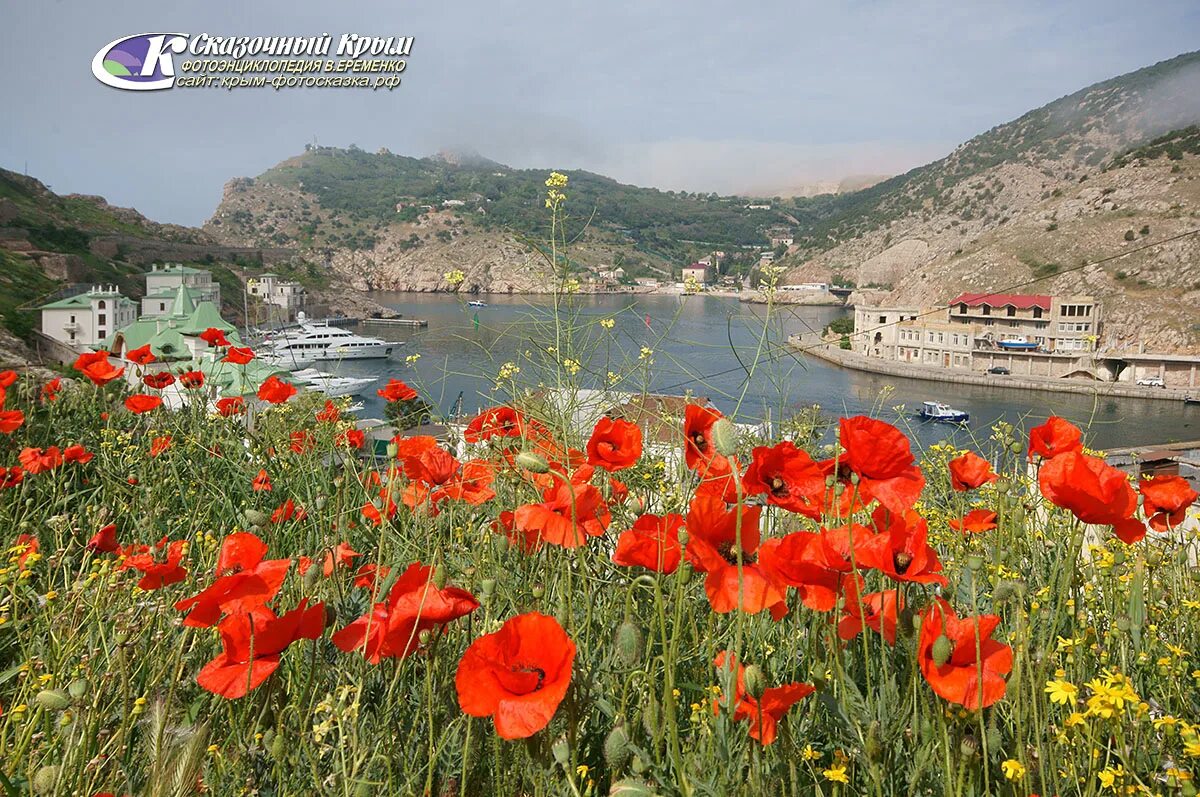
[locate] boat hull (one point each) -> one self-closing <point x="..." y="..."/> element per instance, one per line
<point x="337" y="353"/>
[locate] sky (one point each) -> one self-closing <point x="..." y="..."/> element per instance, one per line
<point x="758" y="96"/>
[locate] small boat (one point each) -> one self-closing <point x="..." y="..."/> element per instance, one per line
<point x="1191" y="400"/>
<point x="476" y="303"/>
<point x="1018" y="344"/>
<point x="936" y="411"/>
<point x="330" y="384"/>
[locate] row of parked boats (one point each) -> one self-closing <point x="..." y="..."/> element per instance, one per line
<point x="309" y="343"/>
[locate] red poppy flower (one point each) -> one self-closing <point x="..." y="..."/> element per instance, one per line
<point x="214" y="337"/>
<point x="498" y="422"/>
<point x="350" y="438"/>
<point x="472" y="484"/>
<point x="77" y="453"/>
<point x="396" y="390"/>
<point x="192" y="380"/>
<point x="1054" y="437"/>
<point x="1166" y="500"/>
<point x="238" y="355"/>
<point x="615" y="444"/>
<point x="7" y="378"/>
<point x="104" y="540"/>
<point x="789" y="478"/>
<point x="341" y="555"/>
<point x="288" y="511"/>
<point x="37" y="460"/>
<point x="877" y="611"/>
<point x="517" y="676"/>
<point x="970" y="471"/>
<point x="976" y="521"/>
<point x="141" y="403"/>
<point x="11" y="477"/>
<point x="1092" y="490"/>
<point x="245" y="582"/>
<point x="11" y="420"/>
<point x="969" y="667"/>
<point x="369" y="574"/>
<point x="261" y="483"/>
<point x="159" y="381"/>
<point x="391" y="629"/>
<point x="141" y="355"/>
<point x="697" y="435"/>
<point x="329" y="413"/>
<point x="233" y="405"/>
<point x="567" y="515"/>
<point x="275" y="391"/>
<point x="376" y="514"/>
<point x="160" y="445"/>
<point x="879" y="454"/>
<point x="252" y="645"/>
<point x="818" y="564"/>
<point x="901" y="550"/>
<point x="50" y="389"/>
<point x="764" y="713"/>
<point x="25" y="546"/>
<point x="712" y="547"/>
<point x="302" y="441"/>
<point x="96" y="367"/>
<point x="652" y="543"/>
<point x="157" y="574"/>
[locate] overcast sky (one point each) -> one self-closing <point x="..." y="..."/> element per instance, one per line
<point x="697" y="95"/>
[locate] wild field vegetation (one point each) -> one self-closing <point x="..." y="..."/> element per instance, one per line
<point x="240" y="598"/>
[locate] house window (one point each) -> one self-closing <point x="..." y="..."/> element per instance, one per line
<point x="100" y="304"/>
<point x="72" y="319"/>
<point x="987" y="309"/>
<point x="162" y="307"/>
<point x="883" y="319"/>
<point x="1037" y="312"/>
<point x="962" y="307"/>
<point x="102" y="319"/>
<point x="1011" y="310"/>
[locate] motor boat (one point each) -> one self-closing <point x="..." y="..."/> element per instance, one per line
<point x="942" y="413"/>
<point x="332" y="385"/>
<point x="1018" y="344"/>
<point x="476" y="303"/>
<point x="313" y="342"/>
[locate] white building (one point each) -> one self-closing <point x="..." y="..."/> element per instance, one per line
<point x="696" y="272"/>
<point x="819" y="287"/>
<point x="83" y="320"/>
<point x="163" y="281"/>
<point x="876" y="329"/>
<point x="272" y="289"/>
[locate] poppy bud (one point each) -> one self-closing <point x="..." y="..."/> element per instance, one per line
<point x="392" y="450"/>
<point x="616" y="747"/>
<point x="638" y="765"/>
<point x="79" y="688"/>
<point x="279" y="747"/>
<point x="1154" y="558"/>
<point x="330" y="616"/>
<point x="425" y="637"/>
<point x="538" y="591"/>
<point x="943" y="649"/>
<point x="45" y="781"/>
<point x="854" y="478"/>
<point x="439" y="576"/>
<point x="52" y="699"/>
<point x="650" y="718"/>
<point x="872" y="746"/>
<point x="684" y="573"/>
<point x="974" y="562"/>
<point x="310" y="576"/>
<point x="534" y="463"/>
<point x="487" y="587"/>
<point x="500" y="544"/>
<point x="724" y="437"/>
<point x="561" y="615"/>
<point x="755" y="680"/>
<point x="994" y="738"/>
<point x="561" y="751"/>
<point x="1015" y="447"/>
<point x="628" y="642"/>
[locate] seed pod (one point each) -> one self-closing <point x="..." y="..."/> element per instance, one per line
<point x="79" y="688"/>
<point x="683" y="536"/>
<point x="724" y="437"/>
<point x="943" y="649"/>
<point x="52" y="699"/>
<point x="629" y="644"/>
<point x="500" y="544"/>
<point x="45" y="780"/>
<point x="684" y="573"/>
<point x="974" y="562"/>
<point x="311" y="575"/>
<point x="616" y="747"/>
<point x="755" y="680"/>
<point x="255" y="518"/>
<point x="487" y="587"/>
<point x="534" y="463"/>
<point x="321" y="502"/>
<point x="561" y="751"/>
<point x="969" y="745"/>
<point x="538" y="591"/>
<point x="638" y="766"/>
<point x="279" y="747"/>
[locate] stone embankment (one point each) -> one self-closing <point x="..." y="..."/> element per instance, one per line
<point x="831" y="353"/>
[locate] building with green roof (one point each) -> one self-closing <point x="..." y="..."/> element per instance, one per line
<point x="174" y="335"/>
<point x="161" y="279"/>
<point x="82" y="321"/>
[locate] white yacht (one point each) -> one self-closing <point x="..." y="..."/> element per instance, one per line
<point x="332" y="385"/>
<point x="318" y="342"/>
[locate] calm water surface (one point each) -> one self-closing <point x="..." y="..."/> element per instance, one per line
<point x="701" y="344"/>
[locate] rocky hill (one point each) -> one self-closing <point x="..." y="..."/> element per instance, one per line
<point x="1023" y="206"/>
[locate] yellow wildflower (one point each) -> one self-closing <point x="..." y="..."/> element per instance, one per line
<point x="1013" y="769"/>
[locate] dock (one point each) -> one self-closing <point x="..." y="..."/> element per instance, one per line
<point x="414" y="323"/>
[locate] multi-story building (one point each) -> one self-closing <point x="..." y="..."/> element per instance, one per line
<point x="876" y="329"/>
<point x="163" y="281"/>
<point x="83" y="320"/>
<point x="272" y="289"/>
<point x="1053" y="324"/>
<point x="697" y="272"/>
<point x="927" y="341"/>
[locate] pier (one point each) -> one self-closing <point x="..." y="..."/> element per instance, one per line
<point x="414" y="323"/>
